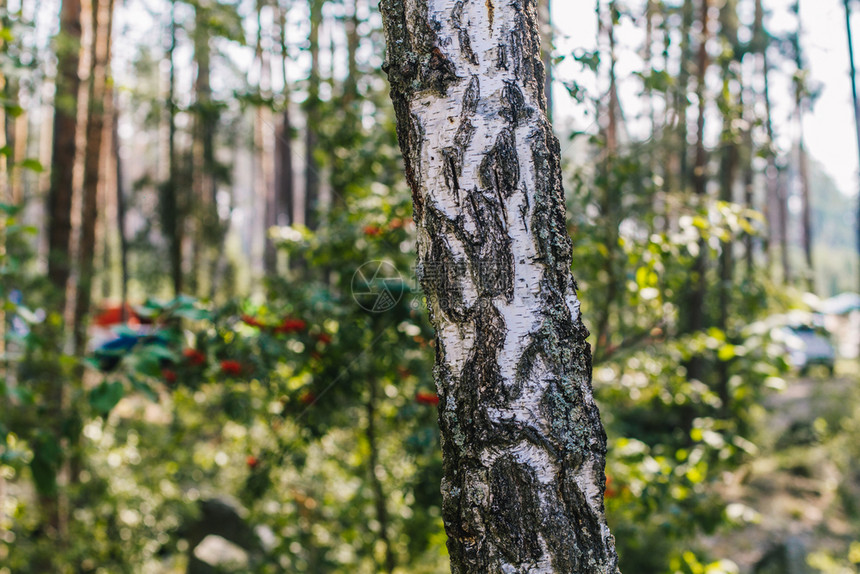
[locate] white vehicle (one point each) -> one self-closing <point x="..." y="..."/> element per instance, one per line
<point x="808" y="345"/>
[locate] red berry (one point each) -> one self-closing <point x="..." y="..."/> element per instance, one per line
<point x="169" y="375"/>
<point x="231" y="367"/>
<point x="425" y="398"/>
<point x="252" y="321"/>
<point x="194" y="357"/>
<point x="324" y="338"/>
<point x="372" y="230"/>
<point x="289" y="325"/>
<point x="252" y="461"/>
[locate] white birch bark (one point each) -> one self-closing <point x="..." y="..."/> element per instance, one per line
<point x="523" y="447"/>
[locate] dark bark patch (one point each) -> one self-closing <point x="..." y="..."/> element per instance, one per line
<point x="500" y="168"/>
<point x="491" y="255"/>
<point x="514" y="106"/>
<point x="502" y="57"/>
<point x="451" y="168"/>
<point x="584" y="522"/>
<point x="481" y="375"/>
<point x="513" y="510"/>
<point x="414" y="60"/>
<point x="548" y="217"/>
<point x="452" y="156"/>
<point x="463" y="33"/>
<point x="441" y="271"/>
<point x="439" y="72"/>
<point x="524" y="42"/>
<point x="471" y="97"/>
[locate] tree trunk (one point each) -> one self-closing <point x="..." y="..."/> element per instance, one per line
<point x="728" y="167"/>
<point x="284" y="142"/>
<point x="681" y="94"/>
<point x="775" y="208"/>
<point x="375" y="482"/>
<point x="696" y="298"/>
<point x="120" y="209"/>
<point x="208" y="238"/>
<point x="802" y="160"/>
<point x="856" y="110"/>
<point x="264" y="141"/>
<point x="59" y="208"/>
<point x="545" y="12"/>
<point x="749" y="181"/>
<point x="312" y="118"/>
<point x="59" y="220"/>
<point x="102" y="11"/>
<point x="522" y="442"/>
<point x="609" y="200"/>
<point x="172" y="208"/>
<point x="782" y="214"/>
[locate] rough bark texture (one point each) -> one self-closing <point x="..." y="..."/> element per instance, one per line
<point x="522" y="441"/>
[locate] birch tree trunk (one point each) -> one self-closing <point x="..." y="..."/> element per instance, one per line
<point x="523" y="446"/>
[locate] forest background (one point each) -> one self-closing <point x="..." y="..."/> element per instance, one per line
<point x="211" y="318"/>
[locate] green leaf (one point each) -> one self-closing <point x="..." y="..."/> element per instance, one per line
<point x="159" y="351"/>
<point x="9" y="208"/>
<point x="31" y="164"/>
<point x="104" y="397"/>
<point x="144" y="388"/>
<point x="192" y="313"/>
<point x="46" y="463"/>
<point x="147" y="365"/>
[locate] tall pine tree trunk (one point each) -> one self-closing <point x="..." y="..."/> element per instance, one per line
<point x="208" y="239"/>
<point x="59" y="219"/>
<point x="102" y="11"/>
<point x="682" y="92"/>
<point x="728" y="170"/>
<point x="120" y="208"/>
<point x="609" y="200"/>
<point x="172" y="208"/>
<point x="522" y="441"/>
<point x="312" y="119"/>
<point x="284" y="142"/>
<point x="776" y="212"/>
<point x="802" y="159"/>
<point x="695" y="312"/>
<point x="59" y="208"/>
